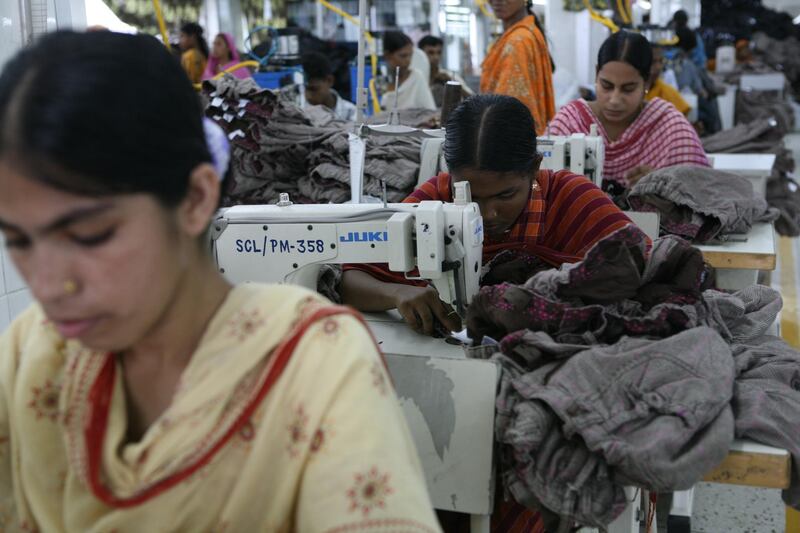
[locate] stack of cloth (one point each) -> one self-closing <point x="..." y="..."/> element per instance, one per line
<point x="756" y="104"/>
<point x="780" y="54"/>
<point x="765" y="136"/>
<point x="279" y="147"/>
<point x="627" y="369"/>
<point x="689" y="202"/>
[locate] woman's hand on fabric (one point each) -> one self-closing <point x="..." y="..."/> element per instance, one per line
<point x="422" y="308"/>
<point x="637" y="173"/>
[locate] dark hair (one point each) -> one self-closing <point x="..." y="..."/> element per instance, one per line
<point x="680" y="18"/>
<point x="491" y="132"/>
<point x="627" y="47"/>
<point x="316" y="66"/>
<point x="124" y="118"/>
<point x="687" y="39"/>
<point x="195" y="30"/>
<point x="394" y="41"/>
<point x="538" y="24"/>
<point x="429" y="40"/>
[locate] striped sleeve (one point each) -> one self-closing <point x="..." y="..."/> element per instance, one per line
<point x="579" y="215"/>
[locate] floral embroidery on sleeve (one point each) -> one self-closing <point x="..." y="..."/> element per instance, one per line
<point x="369" y="491"/>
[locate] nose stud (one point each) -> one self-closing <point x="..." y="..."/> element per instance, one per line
<point x="70" y="287"/>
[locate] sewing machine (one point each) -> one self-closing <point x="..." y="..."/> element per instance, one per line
<point x="286" y="243"/>
<point x="579" y="153"/>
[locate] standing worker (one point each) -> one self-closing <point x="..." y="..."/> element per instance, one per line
<point x="519" y="63"/>
<point x="195" y="51"/>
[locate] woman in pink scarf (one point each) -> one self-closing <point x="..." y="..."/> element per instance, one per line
<point x="224" y="55"/>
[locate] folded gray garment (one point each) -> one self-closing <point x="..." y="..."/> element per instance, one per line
<point x="691" y="206"/>
<point x="754" y="105"/>
<point x="767" y="400"/>
<point x="744" y="137"/>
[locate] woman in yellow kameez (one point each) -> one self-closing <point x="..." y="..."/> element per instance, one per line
<point x="142" y="392"/>
<point x="519" y="63"/>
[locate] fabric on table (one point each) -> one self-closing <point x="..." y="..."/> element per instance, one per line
<point x="690" y="205"/>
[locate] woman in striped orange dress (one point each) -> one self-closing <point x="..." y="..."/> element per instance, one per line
<point x="555" y="216"/>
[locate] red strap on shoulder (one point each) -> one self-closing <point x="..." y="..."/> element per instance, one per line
<point x="103" y="388"/>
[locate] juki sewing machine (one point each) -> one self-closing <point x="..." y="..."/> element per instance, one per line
<point x="579" y="153"/>
<point x="285" y="243"/>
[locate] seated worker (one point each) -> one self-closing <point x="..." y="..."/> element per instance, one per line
<point x="114" y="412"/>
<point x="319" y="87"/>
<point x="433" y="46"/>
<point x="556" y="216"/>
<point x="413" y="92"/>
<point x="224" y="55"/>
<point x="658" y="88"/>
<point x="692" y="78"/>
<point x="639" y="136"/>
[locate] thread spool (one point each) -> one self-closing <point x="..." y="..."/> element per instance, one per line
<point x="452" y="97"/>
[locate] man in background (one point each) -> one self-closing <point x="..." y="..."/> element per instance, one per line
<point x="319" y="87"/>
<point x="433" y="48"/>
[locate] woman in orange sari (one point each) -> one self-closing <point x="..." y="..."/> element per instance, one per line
<point x="519" y="63"/>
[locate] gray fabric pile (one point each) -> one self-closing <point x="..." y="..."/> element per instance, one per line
<point x="765" y="136"/>
<point x="279" y="147"/>
<point x="782" y="55"/>
<point x="690" y="204"/>
<point x="580" y="417"/>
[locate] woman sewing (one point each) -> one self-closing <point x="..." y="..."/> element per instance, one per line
<point x="142" y="392"/>
<point x="639" y="136"/>
<point x="556" y="216"/>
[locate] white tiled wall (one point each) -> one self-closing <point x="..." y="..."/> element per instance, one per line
<point x="14" y="296"/>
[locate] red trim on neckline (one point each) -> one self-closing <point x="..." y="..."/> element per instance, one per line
<point x="100" y="400"/>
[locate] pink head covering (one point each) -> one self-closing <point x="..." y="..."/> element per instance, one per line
<point x="213" y="67"/>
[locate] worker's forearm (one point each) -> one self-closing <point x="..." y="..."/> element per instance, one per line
<point x="366" y="293"/>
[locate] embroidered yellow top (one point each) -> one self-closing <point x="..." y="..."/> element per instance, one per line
<point x="284" y="420"/>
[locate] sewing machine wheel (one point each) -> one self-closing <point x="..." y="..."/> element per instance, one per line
<point x="679" y="524"/>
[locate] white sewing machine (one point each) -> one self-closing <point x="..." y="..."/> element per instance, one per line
<point x="288" y="243"/>
<point x="578" y="153"/>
